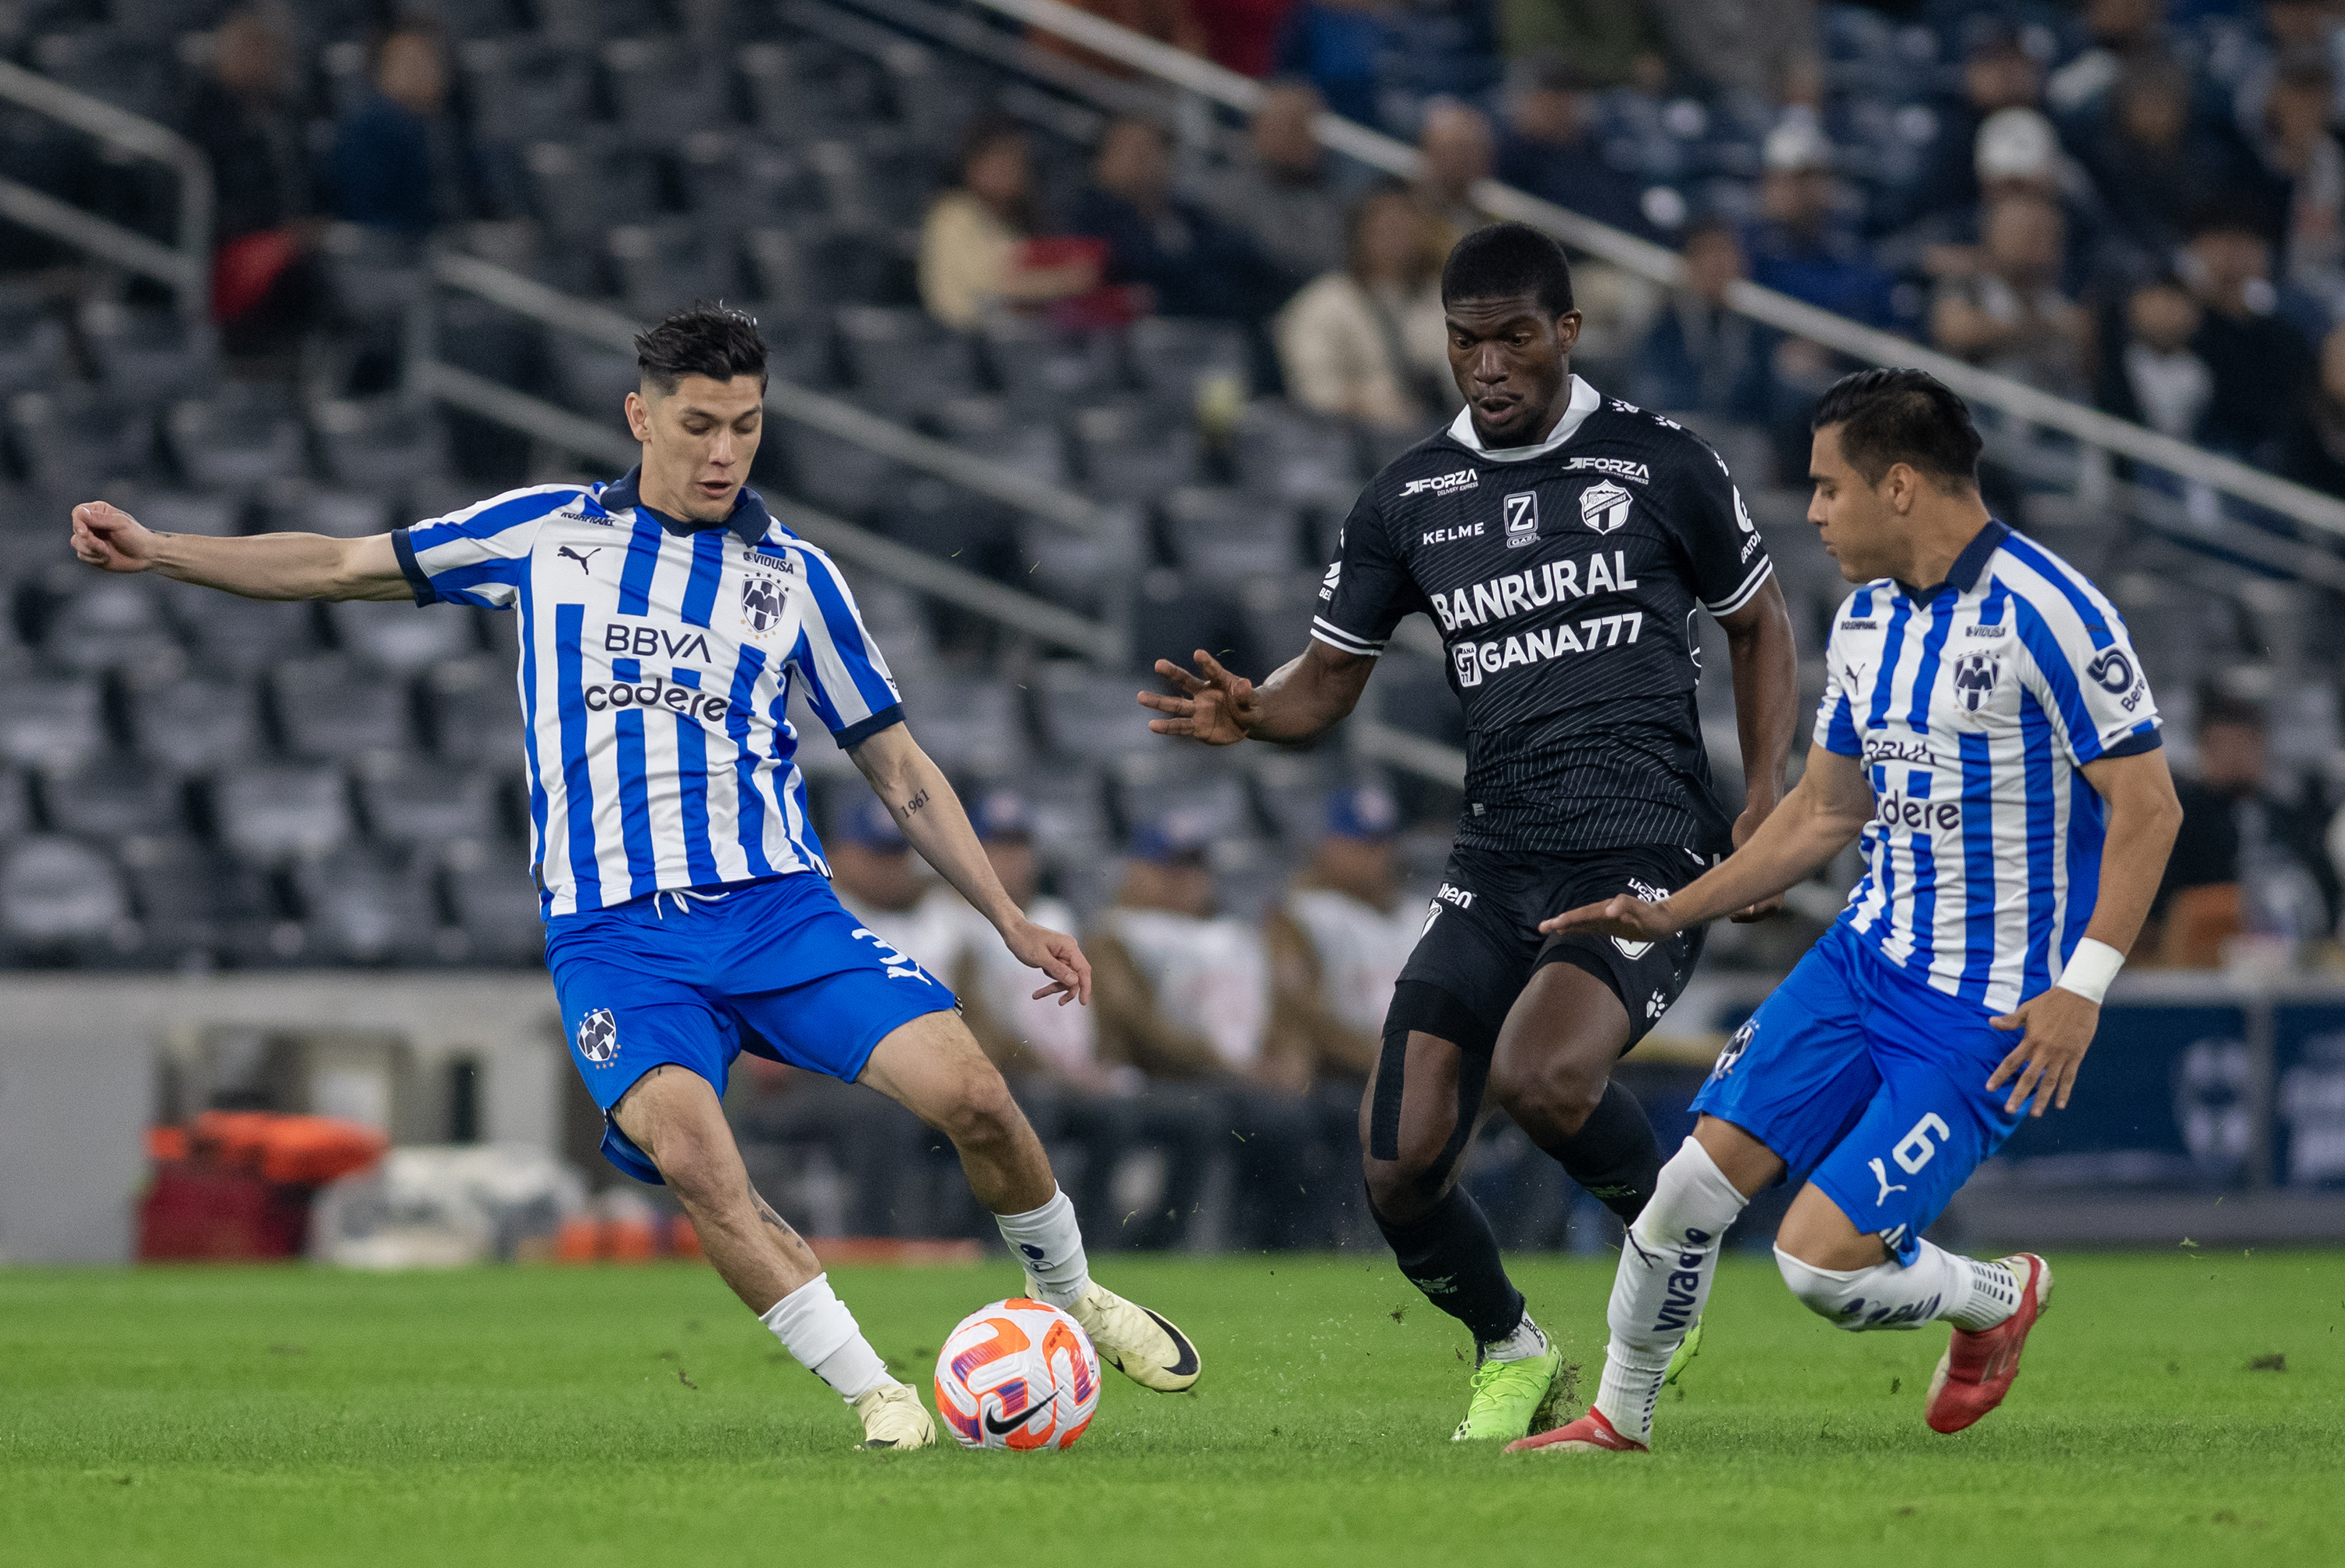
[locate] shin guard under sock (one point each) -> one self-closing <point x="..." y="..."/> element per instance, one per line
<point x="1614" y="1154"/>
<point x="1451" y="1254"/>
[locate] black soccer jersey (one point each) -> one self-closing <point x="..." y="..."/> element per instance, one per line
<point x="1564" y="578"/>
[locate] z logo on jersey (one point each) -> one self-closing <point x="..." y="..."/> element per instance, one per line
<point x="1522" y="519"/>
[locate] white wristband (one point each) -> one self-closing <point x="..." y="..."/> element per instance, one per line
<point x="2090" y="969"/>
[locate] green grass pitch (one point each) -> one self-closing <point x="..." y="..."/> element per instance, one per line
<point x="635" y="1416"/>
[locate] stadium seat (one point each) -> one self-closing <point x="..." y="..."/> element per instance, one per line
<point x="197" y="903"/>
<point x="396" y="638"/>
<point x="71" y="438"/>
<point x="16" y="805"/>
<point x="360" y="906"/>
<point x="1044" y="369"/>
<point x="665" y="88"/>
<point x="580" y="189"/>
<point x="1088" y="572"/>
<point x="34" y="349"/>
<point x="1128" y="453"/>
<point x="330" y="709"/>
<point x="111" y="623"/>
<point x="275" y="813"/>
<point x="183" y="512"/>
<point x="592" y="378"/>
<point x="525" y="89"/>
<point x="1226" y="538"/>
<point x="235" y="440"/>
<point x="474" y="711"/>
<point x="1284" y="451"/>
<point x="666" y="265"/>
<point x="1095" y="718"/>
<point x="298" y="507"/>
<point x="148" y="354"/>
<point x="839" y="476"/>
<point x="429" y="807"/>
<point x="233" y="635"/>
<point x="55" y="724"/>
<point x="113" y="797"/>
<point x="902" y="361"/>
<point x="985" y="424"/>
<point x="497" y="909"/>
<point x="195" y="724"/>
<point x="1171" y="357"/>
<point x="59" y="900"/>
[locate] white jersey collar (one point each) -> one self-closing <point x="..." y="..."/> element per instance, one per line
<point x="1585" y="400"/>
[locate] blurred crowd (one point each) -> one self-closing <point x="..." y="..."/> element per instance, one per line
<point x="1213" y="1041"/>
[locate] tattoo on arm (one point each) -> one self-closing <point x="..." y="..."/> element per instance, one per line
<point x="919" y="800"/>
<point x="766" y="1212"/>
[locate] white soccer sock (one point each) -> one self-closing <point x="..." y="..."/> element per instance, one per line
<point x="1937" y="1284"/>
<point x="1666" y="1264"/>
<point x="1048" y="1242"/>
<point x="815" y="1326"/>
<point x="1528" y="1341"/>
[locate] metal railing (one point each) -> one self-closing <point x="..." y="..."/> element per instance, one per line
<point x="187" y="266"/>
<point x="2097" y="434"/>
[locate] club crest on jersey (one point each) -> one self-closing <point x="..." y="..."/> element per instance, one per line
<point x="1974" y="678"/>
<point x="1522" y="513"/>
<point x="761" y="602"/>
<point x="598" y="1036"/>
<point x="1604" y="507"/>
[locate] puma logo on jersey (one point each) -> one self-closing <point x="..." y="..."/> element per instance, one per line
<point x="1881" y="1175"/>
<point x="567" y="554"/>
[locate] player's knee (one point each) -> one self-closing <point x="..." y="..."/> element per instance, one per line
<point x="1550" y="1092"/>
<point x="1405" y="1188"/>
<point x="1838" y="1296"/>
<point x="979" y="1110"/>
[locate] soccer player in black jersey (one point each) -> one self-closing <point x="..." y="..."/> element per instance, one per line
<point x="1563" y="543"/>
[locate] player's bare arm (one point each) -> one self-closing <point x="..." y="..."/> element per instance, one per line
<point x="1821" y="816"/>
<point x="1766" y="670"/>
<point x="1303" y="698"/>
<point x="922" y="801"/>
<point x="264" y="567"/>
<point x="2058" y="1025"/>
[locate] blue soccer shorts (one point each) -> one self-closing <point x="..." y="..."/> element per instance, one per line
<point x="1868" y="1084"/>
<point x="689" y="980"/>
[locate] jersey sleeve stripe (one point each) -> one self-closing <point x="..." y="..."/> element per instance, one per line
<point x="2145" y="738"/>
<point x="1336" y="638"/>
<point x="417" y="581"/>
<point x="1751" y="584"/>
<point x="856" y="734"/>
<point x="2070" y="715"/>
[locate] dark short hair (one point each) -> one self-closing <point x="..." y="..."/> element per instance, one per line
<point x="1892" y="416"/>
<point x="1504" y="259"/>
<point x="713" y="340"/>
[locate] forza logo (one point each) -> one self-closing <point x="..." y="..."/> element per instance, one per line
<point x="1443" y="483"/>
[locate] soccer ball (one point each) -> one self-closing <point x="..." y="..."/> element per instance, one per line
<point x="1017" y="1375"/>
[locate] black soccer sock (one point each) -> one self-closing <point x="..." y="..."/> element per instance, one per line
<point x="1614" y="1154"/>
<point x="1452" y="1255"/>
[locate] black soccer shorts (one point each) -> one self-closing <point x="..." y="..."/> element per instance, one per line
<point x="1481" y="943"/>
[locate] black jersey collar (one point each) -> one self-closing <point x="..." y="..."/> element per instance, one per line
<point x="1585" y="400"/>
<point x="748" y="518"/>
<point x="1964" y="574"/>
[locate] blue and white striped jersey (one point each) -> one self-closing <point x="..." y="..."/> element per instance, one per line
<point x="1973" y="705"/>
<point x="657" y="663"/>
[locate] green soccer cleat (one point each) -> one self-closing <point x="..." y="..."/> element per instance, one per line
<point x="1509" y="1397"/>
<point x="1683" y="1356"/>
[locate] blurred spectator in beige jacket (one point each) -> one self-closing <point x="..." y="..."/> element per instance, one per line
<point x="1367" y="343"/>
<point x="974" y="245"/>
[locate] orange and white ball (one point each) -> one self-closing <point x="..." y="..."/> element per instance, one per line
<point x="1017" y="1375"/>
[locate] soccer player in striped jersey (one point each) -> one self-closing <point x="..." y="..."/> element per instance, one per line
<point x="665" y="619"/>
<point x="1986" y="730"/>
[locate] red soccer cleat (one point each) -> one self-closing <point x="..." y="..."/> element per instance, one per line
<point x="1591" y="1433"/>
<point x="1978" y="1369"/>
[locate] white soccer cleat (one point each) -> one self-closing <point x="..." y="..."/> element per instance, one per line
<point x="894" y="1418"/>
<point x="1135" y="1341"/>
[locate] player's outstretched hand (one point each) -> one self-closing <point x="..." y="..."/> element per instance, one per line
<point x="1056" y="954"/>
<point x="1623" y="915"/>
<point x="111" y="539"/>
<point x="1213" y="705"/>
<point x="2059" y="1026"/>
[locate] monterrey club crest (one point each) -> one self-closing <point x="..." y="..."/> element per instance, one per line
<point x="1604" y="507"/>
<point x="598" y="1036"/>
<point x="761" y="602"/>
<point x="1974" y="678"/>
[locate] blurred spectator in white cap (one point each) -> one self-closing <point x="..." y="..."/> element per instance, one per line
<point x="975" y="249"/>
<point x="877" y="879"/>
<point x="1805" y="244"/>
<point x="2009" y="316"/>
<point x="1458" y="153"/>
<point x="1368" y="342"/>
<point x="1339" y="937"/>
<point x="2015" y="152"/>
<point x="1183" y="993"/>
<point x="1283" y="188"/>
<point x="1023" y="1036"/>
